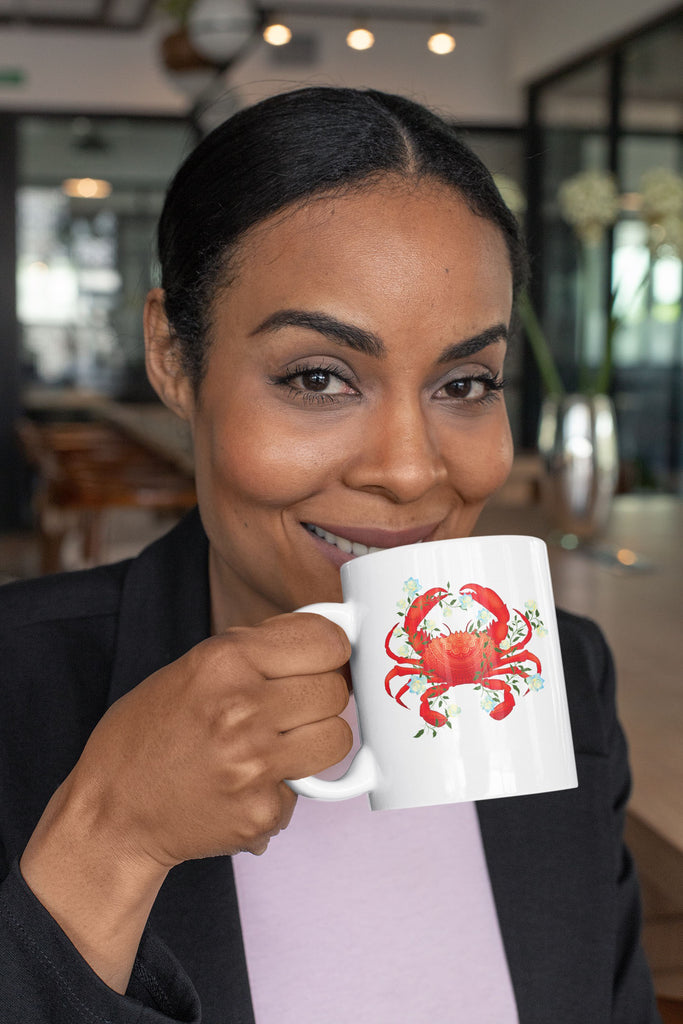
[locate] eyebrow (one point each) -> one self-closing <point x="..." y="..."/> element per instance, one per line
<point x="365" y="341"/>
<point x="470" y="346"/>
<point x="336" y="330"/>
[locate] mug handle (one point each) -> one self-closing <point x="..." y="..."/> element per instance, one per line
<point x="361" y="775"/>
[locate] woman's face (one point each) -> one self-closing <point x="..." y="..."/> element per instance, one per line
<point x="352" y="395"/>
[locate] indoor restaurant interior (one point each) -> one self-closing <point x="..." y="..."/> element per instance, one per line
<point x="575" y="108"/>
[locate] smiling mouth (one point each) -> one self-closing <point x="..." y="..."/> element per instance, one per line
<point x="353" y="548"/>
<point x="347" y="546"/>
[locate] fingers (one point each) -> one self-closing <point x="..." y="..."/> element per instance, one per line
<point x="303" y="700"/>
<point x="313" y="748"/>
<point x="292" y="645"/>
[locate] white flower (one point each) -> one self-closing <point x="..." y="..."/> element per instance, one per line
<point x="465" y="601"/>
<point x="531" y="606"/>
<point x="662" y="208"/>
<point x="484" y="618"/>
<point x="589" y="201"/>
<point x="418" y="684"/>
<point x="488" y="701"/>
<point x="662" y="194"/>
<point x="541" y="631"/>
<point x="452" y="709"/>
<point x="504" y="643"/>
<point x="535" y="682"/>
<point x="411" y="587"/>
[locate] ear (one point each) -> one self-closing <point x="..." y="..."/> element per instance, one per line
<point x="162" y="359"/>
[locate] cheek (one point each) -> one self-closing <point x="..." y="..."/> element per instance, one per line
<point x="480" y="463"/>
<point x="254" y="458"/>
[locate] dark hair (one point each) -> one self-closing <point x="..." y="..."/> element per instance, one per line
<point x="284" y="150"/>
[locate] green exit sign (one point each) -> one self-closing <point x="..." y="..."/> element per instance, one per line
<point x="12" y="76"/>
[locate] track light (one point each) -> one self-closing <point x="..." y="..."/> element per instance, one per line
<point x="441" y="42"/>
<point x="360" y="38"/>
<point x="86" y="188"/>
<point x="277" y="34"/>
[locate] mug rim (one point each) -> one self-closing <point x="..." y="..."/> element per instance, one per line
<point x="431" y="544"/>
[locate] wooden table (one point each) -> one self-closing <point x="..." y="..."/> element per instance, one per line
<point x="87" y="468"/>
<point x="639" y="610"/>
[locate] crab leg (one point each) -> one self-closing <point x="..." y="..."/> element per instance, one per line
<point x="388" y="649"/>
<point x="431" y="717"/>
<point x="400" y="670"/>
<point x="513" y="659"/>
<point x="503" y="709"/>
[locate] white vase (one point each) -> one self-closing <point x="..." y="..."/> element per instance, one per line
<point x="577" y="441"/>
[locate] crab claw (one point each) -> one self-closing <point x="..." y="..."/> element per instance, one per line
<point x="503" y="709"/>
<point x="421" y="607"/>
<point x="490" y="600"/>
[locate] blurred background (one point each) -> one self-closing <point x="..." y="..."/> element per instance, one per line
<point x="577" y="110"/>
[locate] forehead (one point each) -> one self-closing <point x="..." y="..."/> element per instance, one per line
<point x="392" y="246"/>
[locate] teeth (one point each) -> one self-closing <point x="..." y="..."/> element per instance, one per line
<point x="347" y="546"/>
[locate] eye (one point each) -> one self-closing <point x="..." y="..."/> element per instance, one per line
<point x="321" y="383"/>
<point x="481" y="387"/>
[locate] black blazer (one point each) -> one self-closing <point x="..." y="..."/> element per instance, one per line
<point x="70" y="645"/>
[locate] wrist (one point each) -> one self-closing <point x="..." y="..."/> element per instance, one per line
<point x="93" y="879"/>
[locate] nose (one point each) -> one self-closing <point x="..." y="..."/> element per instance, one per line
<point x="399" y="454"/>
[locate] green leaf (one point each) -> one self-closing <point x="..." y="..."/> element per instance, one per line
<point x="448" y="724"/>
<point x="418" y="734"/>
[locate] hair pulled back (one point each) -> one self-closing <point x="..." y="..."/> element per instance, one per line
<point x="284" y="150"/>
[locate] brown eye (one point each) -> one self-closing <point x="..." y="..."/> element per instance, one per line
<point x="316" y="380"/>
<point x="468" y="387"/>
<point x="471" y="390"/>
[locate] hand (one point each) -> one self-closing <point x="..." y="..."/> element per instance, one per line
<point x="189" y="764"/>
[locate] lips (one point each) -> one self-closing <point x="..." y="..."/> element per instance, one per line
<point x="349" y="547"/>
<point x="352" y="542"/>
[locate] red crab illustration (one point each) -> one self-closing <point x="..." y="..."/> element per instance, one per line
<point x="452" y="659"/>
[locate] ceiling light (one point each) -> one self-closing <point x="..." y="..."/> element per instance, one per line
<point x="86" y="188"/>
<point x="220" y="29"/>
<point x="441" y="42"/>
<point x="277" y="34"/>
<point x="360" y="39"/>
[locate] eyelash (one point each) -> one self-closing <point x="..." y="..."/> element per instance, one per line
<point x="494" y="384"/>
<point x="316" y="397"/>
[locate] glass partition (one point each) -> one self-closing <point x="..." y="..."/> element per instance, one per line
<point x="619" y="114"/>
<point x="89" y="194"/>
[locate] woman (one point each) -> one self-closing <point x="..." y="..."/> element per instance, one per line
<point x="338" y="273"/>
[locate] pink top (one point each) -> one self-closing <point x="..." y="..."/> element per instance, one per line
<point x="383" y="917"/>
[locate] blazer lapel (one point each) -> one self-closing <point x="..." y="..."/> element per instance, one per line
<point x="555" y="915"/>
<point x="164" y="605"/>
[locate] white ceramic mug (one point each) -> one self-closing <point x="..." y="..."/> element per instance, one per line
<point x="456" y="672"/>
